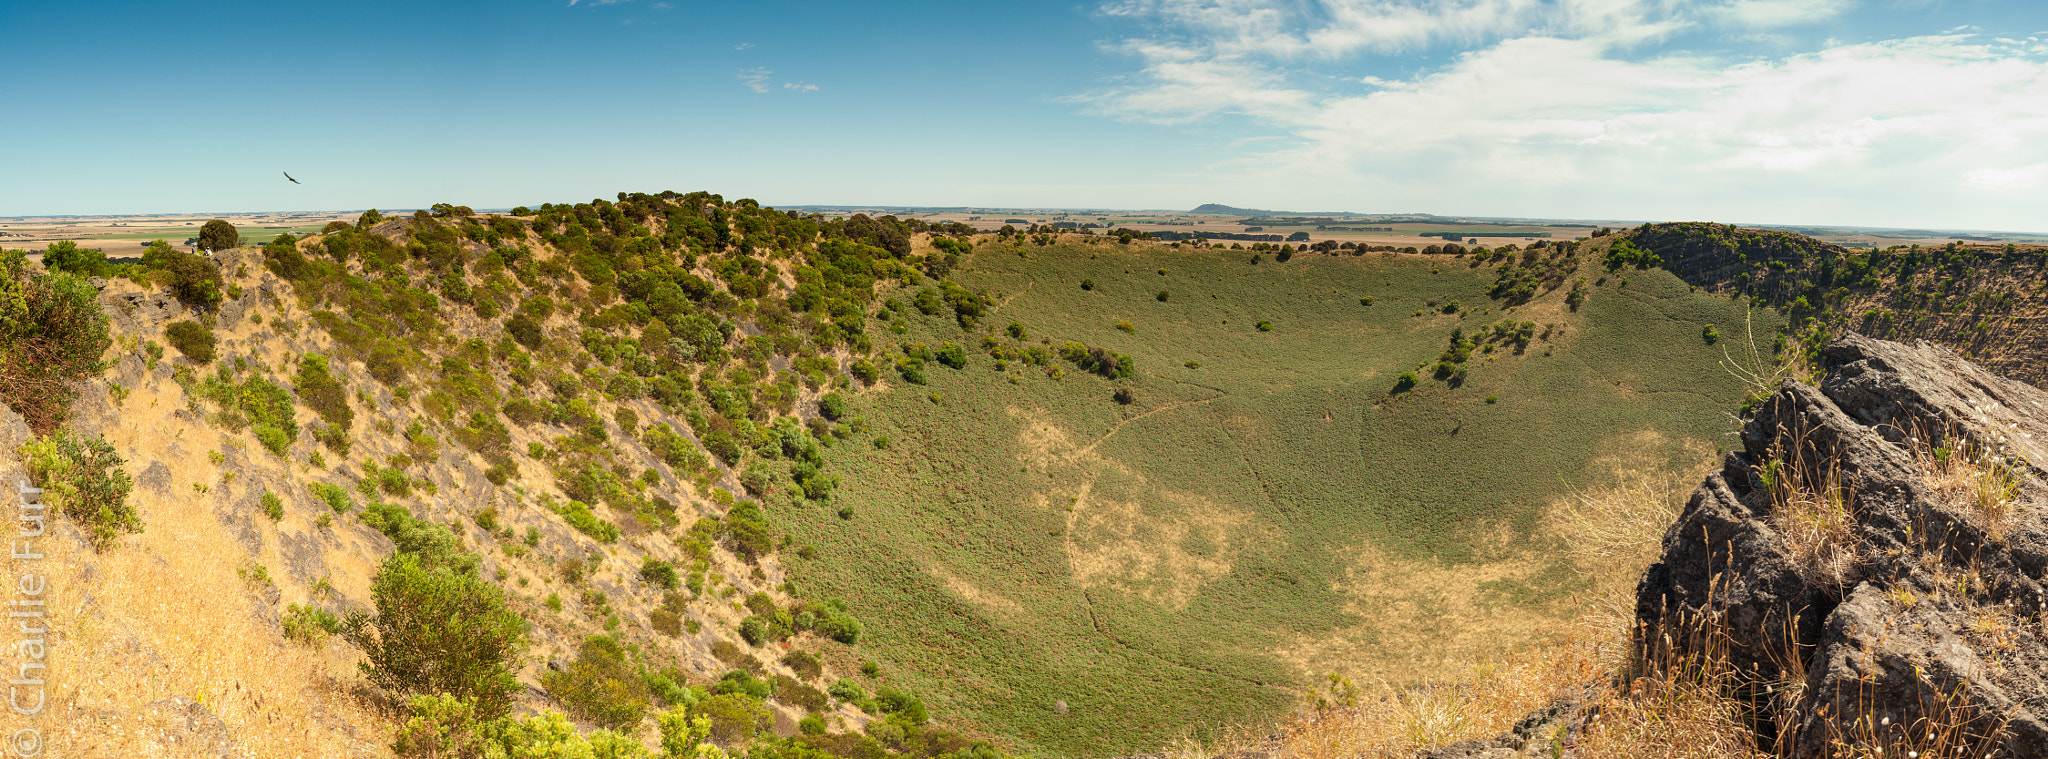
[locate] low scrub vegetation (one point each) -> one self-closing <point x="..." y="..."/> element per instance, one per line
<point x="192" y="339"/>
<point x="82" y="478"/>
<point x="52" y="334"/>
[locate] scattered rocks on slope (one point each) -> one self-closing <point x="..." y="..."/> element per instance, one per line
<point x="188" y="728"/>
<point x="1917" y="600"/>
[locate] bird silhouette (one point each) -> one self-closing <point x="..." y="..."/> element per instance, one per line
<point x="288" y="175"/>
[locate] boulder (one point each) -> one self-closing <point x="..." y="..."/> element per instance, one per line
<point x="1924" y="605"/>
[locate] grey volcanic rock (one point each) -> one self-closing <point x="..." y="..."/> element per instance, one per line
<point x="1939" y="613"/>
<point x="188" y="728"/>
<point x="1537" y="735"/>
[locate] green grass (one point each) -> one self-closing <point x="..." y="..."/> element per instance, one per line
<point x="1217" y="525"/>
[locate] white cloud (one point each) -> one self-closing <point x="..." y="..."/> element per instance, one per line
<point x="800" y="86"/>
<point x="743" y="46"/>
<point x="755" y="79"/>
<point x="2018" y="178"/>
<point x="1766" y="14"/>
<point x="1557" y="122"/>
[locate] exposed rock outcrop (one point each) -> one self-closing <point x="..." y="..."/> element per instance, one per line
<point x="1874" y="549"/>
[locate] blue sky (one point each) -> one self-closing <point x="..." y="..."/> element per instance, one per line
<point x="1873" y="112"/>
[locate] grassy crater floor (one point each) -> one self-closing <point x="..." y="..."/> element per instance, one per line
<point x="1080" y="577"/>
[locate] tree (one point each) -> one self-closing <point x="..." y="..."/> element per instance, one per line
<point x="218" y="235"/>
<point x="66" y="256"/>
<point x="440" y="629"/>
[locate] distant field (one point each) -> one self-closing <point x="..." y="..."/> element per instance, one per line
<point x="1199" y="556"/>
<point x="248" y="234"/>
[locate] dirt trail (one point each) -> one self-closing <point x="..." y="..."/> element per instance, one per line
<point x="1090" y="448"/>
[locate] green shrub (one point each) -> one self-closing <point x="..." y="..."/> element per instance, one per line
<point x="745" y="530"/>
<point x="902" y="705"/>
<point x="524" y="412"/>
<point x="1162" y="296"/>
<point x="322" y="393"/>
<point x="832" y="406"/>
<point x="1405" y="382"/>
<point x="1265" y="326"/>
<point x="758" y="478"/>
<point x="52" y="333"/>
<point x="665" y="622"/>
<point x="847" y="690"/>
<point x="805" y="665"/>
<point x="579" y="516"/>
<point x="735" y="717"/>
<point x="732" y="655"/>
<point x="310" y="625"/>
<point x="865" y="371"/>
<point x="952" y="355"/>
<point x="273" y="506"/>
<point x="799" y="695"/>
<point x="445" y="726"/>
<point x="525" y="330"/>
<point x="658" y="573"/>
<point x="336" y="497"/>
<point x="674" y="449"/>
<point x="256" y="402"/>
<point x="1709" y="334"/>
<point x="191" y="277"/>
<point x="82" y="478"/>
<point x="912" y="370"/>
<point x="754" y="631"/>
<point x="601" y="687"/>
<point x="440" y="629"/>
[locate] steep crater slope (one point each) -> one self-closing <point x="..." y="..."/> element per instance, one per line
<point x="477" y="393"/>
<point x="1986" y="302"/>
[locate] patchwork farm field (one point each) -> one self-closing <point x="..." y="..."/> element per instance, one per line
<point x="1091" y="576"/>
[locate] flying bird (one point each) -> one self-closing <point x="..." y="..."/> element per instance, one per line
<point x="288" y="175"/>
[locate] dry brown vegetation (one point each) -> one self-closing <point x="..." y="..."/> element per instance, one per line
<point x="1635" y="698"/>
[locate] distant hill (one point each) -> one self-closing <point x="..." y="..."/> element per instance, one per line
<point x="1218" y="209"/>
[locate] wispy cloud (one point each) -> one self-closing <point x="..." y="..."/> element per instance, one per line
<point x="1552" y="106"/>
<point x="1779" y="13"/>
<point x="595" y="3"/>
<point x="755" y="79"/>
<point x="800" y="86"/>
<point x="743" y="46"/>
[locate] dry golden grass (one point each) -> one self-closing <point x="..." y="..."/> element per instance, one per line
<point x="172" y="612"/>
<point x="1613" y="532"/>
<point x="1980" y="478"/>
<point x="1811" y="506"/>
